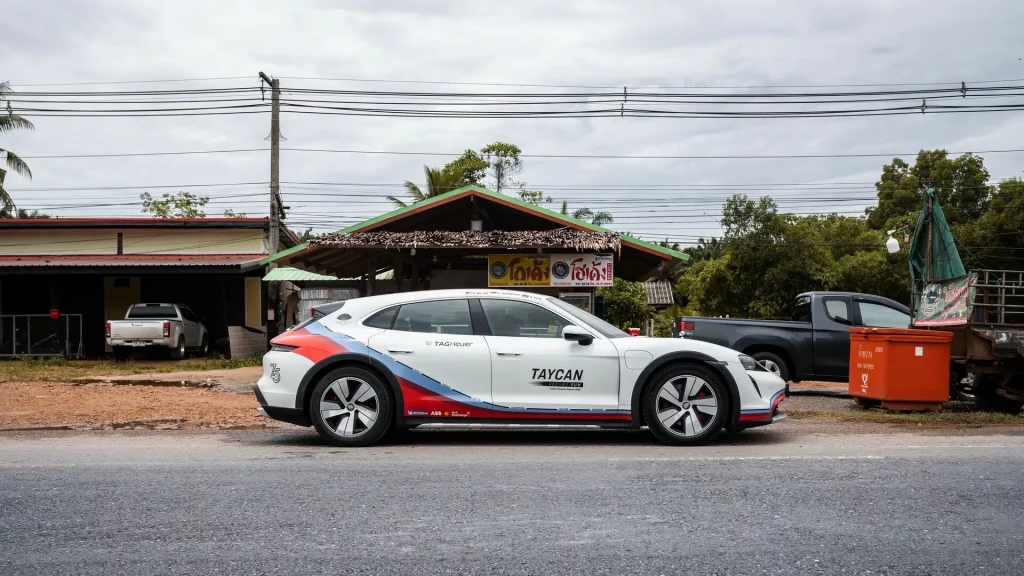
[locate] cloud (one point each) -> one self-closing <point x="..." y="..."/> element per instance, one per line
<point x="642" y="43"/>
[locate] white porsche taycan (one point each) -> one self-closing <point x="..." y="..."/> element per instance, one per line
<point x="362" y="367"/>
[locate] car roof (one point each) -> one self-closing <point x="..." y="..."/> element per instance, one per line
<point x="405" y="297"/>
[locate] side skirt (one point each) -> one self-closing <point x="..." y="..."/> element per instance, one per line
<point x="519" y="422"/>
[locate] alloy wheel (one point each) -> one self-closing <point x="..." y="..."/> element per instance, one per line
<point x="686" y="405"/>
<point x="771" y="367"/>
<point x="349" y="406"/>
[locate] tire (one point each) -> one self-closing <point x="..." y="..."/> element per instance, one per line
<point x="342" y="407"/>
<point x="178" y="352"/>
<point x="121" y="353"/>
<point x="986" y="398"/>
<point x="774" y="364"/>
<point x="204" y="348"/>
<point x="674" y="417"/>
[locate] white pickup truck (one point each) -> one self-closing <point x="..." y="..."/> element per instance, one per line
<point x="171" y="326"/>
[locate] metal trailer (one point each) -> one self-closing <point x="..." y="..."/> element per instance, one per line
<point x="987" y="351"/>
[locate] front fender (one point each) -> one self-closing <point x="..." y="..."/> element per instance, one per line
<point x="678" y="358"/>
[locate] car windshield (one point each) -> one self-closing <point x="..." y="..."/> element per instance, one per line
<point x="605" y="329"/>
<point x="152" y="311"/>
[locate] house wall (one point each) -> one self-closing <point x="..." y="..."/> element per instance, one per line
<point x="117" y="299"/>
<point x="134" y="241"/>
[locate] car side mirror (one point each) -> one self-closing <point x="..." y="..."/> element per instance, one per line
<point x="578" y="335"/>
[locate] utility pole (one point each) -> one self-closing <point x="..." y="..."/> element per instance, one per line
<point x="274" y="288"/>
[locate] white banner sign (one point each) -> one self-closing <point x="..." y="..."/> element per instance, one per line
<point x="581" y="270"/>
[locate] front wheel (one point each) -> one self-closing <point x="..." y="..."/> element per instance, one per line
<point x="686" y="405"/>
<point x="351" y="407"/>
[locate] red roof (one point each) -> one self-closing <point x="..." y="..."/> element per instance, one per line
<point x="127" y="260"/>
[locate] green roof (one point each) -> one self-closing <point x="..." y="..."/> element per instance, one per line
<point x="526" y="206"/>
<point x="284" y="274"/>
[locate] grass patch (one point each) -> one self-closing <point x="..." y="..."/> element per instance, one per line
<point x="953" y="417"/>
<point x="62" y="369"/>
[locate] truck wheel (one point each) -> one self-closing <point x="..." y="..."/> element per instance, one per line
<point x="121" y="353"/>
<point x="986" y="398"/>
<point x="204" y="348"/>
<point x="686" y="404"/>
<point x="178" y="352"/>
<point x="774" y="364"/>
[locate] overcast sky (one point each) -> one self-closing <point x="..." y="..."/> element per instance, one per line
<point x="653" y="43"/>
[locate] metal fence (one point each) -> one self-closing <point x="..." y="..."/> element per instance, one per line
<point x="40" y="335"/>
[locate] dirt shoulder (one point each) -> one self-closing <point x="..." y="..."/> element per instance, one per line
<point x="134" y="397"/>
<point x="212" y="395"/>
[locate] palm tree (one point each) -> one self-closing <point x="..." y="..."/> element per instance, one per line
<point x="439" y="181"/>
<point x="595" y="218"/>
<point x="9" y="121"/>
<point x="22" y="213"/>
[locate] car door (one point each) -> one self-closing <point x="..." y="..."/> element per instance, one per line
<point x="832" y="322"/>
<point x="451" y="364"/>
<point x="877" y="315"/>
<point x="190" y="327"/>
<point x="532" y="366"/>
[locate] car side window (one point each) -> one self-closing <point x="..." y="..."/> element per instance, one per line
<point x="521" y="319"/>
<point x="881" y="316"/>
<point x="383" y="319"/>
<point x="439" y="317"/>
<point x="838" y="311"/>
<point x="187" y="314"/>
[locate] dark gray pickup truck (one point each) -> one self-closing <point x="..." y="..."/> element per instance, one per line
<point x="815" y="345"/>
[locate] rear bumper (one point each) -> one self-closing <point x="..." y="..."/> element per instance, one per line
<point x="289" y="415"/>
<point x="140" y="342"/>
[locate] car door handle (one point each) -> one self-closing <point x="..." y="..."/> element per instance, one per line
<point x="399" y="350"/>
<point x="509" y="353"/>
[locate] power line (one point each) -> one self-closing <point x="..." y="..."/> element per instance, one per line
<point x="559" y="156"/>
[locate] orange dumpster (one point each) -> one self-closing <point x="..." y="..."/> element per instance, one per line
<point x="901" y="369"/>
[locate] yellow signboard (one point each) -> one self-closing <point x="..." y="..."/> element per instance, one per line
<point x="508" y="270"/>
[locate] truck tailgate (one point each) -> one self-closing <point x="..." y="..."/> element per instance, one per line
<point x="137" y="329"/>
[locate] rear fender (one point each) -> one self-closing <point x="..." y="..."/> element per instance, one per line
<point x="680" y="358"/>
<point x="318" y="370"/>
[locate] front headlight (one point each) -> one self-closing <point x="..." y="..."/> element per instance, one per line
<point x="749" y="363"/>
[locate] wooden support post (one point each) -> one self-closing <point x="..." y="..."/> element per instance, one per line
<point x="397" y="271"/>
<point x="371" y="274"/>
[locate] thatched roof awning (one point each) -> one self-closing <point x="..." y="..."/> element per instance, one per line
<point x="565" y="238"/>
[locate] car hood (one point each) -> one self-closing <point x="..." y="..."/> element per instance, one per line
<point x="661" y="346"/>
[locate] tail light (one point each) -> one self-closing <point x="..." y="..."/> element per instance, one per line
<point x="107" y="331"/>
<point x="167" y="329"/>
<point x="686" y="326"/>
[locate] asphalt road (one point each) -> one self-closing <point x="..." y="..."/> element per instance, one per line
<point x="510" y="503"/>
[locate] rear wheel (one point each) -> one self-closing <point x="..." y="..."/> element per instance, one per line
<point x="773" y="363"/>
<point x="686" y="404"/>
<point x="987" y="396"/>
<point x="178" y="352"/>
<point x="350" y="406"/>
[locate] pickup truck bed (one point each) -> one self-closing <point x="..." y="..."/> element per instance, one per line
<point x="815" y="346"/>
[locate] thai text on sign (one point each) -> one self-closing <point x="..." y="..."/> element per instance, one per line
<point x="511" y="270"/>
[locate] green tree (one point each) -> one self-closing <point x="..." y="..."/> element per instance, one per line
<point x="22" y="213"/>
<point x="625" y="304"/>
<point x="961" y="186"/>
<point x="439" y="181"/>
<point x="595" y="218"/>
<point x="180" y="205"/>
<point x="10" y="121"/>
<point x="494" y="167"/>
<point x="229" y="213"/>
